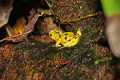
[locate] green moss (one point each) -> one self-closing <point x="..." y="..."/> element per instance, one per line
<point x="50" y="2"/>
<point x="76" y="7"/>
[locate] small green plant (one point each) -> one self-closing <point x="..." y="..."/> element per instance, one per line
<point x="76" y="7"/>
<point x="99" y="61"/>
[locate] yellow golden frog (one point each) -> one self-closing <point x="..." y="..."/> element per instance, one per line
<point x="65" y="39"/>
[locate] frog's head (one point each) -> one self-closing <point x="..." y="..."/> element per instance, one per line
<point x="51" y="33"/>
<point x="54" y="34"/>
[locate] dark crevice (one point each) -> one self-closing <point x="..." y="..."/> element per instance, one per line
<point x="21" y="8"/>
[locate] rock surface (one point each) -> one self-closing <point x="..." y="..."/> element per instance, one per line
<point x="36" y="60"/>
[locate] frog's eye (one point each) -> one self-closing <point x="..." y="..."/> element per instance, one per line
<point x="50" y="34"/>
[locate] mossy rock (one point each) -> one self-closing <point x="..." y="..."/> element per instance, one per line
<point x="33" y="56"/>
<point x="83" y="54"/>
<point x="71" y="10"/>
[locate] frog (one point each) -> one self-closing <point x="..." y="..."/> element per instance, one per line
<point x="65" y="39"/>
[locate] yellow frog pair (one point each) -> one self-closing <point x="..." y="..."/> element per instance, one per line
<point x="65" y="39"/>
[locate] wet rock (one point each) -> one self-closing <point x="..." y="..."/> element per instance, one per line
<point x="71" y="10"/>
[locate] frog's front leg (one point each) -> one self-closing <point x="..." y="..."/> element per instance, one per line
<point x="58" y="43"/>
